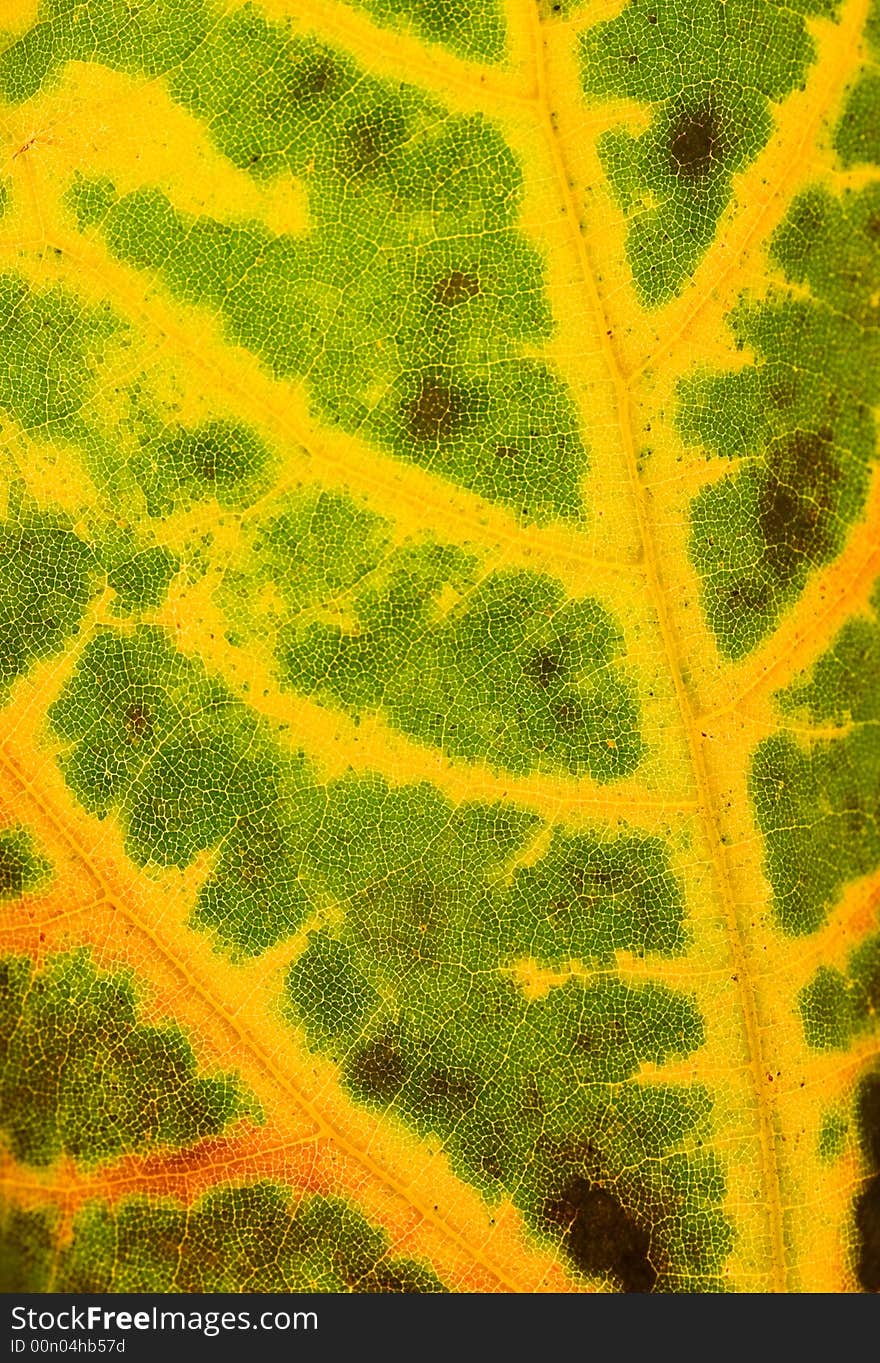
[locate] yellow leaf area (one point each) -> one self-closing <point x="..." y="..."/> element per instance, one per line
<point x="441" y="536"/>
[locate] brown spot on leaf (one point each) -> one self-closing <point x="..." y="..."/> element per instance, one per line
<point x="602" y="1236"/>
<point x="867" y="1202"/>
<point x="436" y="412"/>
<point x="137" y="723"/>
<point x="544" y="667"/>
<point x="867" y="1220"/>
<point x="378" y="1070"/>
<point x="315" y="77"/>
<point x="569" y="714"/>
<point x="368" y="140"/>
<point x="694" y="144"/>
<point x="795" y="503"/>
<point x="456" y="287"/>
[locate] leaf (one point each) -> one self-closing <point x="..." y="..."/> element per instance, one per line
<point x="439" y="646"/>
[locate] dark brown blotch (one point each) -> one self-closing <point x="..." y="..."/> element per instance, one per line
<point x="796" y="501"/>
<point x="869" y="1120"/>
<point x="437" y="411"/>
<point x="456" y="287"/>
<point x="695" y="144"/>
<point x="378" y="1071"/>
<point x="867" y="1203"/>
<point x="544" y="667"/>
<point x="867" y="1223"/>
<point x="603" y="1237"/>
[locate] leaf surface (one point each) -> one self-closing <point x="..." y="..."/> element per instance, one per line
<point x="439" y="646"/>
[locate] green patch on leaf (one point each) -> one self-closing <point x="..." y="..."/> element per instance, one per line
<point x="833" y="1136"/>
<point x="415" y="992"/>
<point x="857" y="136"/>
<point x="140" y="577"/>
<point x="217" y="460"/>
<point x="416" y="998"/>
<point x="54" y="358"/>
<point x="251" y="1238"/>
<point x="51" y="350"/>
<point x="797" y="421"/>
<point x="80" y="1075"/>
<point x="413" y="334"/>
<point x="710" y="72"/>
<point x="148" y="730"/>
<point x="500" y="668"/>
<point x="27" y="1250"/>
<point x="47" y="577"/>
<point x="154" y="39"/>
<point x="23" y="869"/>
<point x="837" y="1006"/>
<point x="474" y="29"/>
<point x="816" y="802"/>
